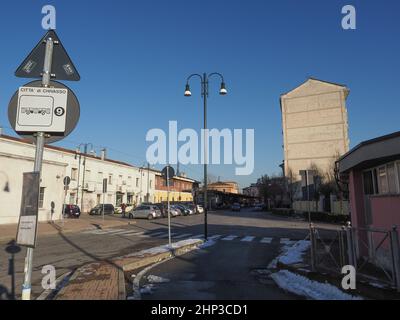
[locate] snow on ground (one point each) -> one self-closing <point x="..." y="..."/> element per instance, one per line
<point x="294" y="254"/>
<point x="291" y="254"/>
<point x="147" y="289"/>
<point x="311" y="289"/>
<point x="156" y="279"/>
<point x="207" y="244"/>
<point x="164" y="248"/>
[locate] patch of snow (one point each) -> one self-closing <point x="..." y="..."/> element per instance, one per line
<point x="294" y="254"/>
<point x="147" y="289"/>
<point x="156" y="279"/>
<point x="311" y="289"/>
<point x="164" y="248"/>
<point x="207" y="244"/>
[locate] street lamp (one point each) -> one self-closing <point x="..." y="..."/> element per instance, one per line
<point x="204" y="93"/>
<point x="85" y="152"/>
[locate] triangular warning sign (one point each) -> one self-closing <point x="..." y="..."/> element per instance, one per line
<point x="62" y="66"/>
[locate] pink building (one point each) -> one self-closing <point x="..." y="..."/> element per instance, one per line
<point x="372" y="170"/>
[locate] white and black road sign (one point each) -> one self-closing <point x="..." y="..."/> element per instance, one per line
<point x="54" y="110"/>
<point x="41" y="110"/>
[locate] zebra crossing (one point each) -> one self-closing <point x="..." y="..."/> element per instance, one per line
<point x="157" y="234"/>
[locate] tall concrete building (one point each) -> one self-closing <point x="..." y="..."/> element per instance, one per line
<point x="315" y="125"/>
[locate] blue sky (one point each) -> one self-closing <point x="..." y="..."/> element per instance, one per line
<point x="134" y="57"/>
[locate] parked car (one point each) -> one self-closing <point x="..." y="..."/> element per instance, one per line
<point x="236" y="207"/>
<point x="200" y="209"/>
<point x="193" y="208"/>
<point x="98" y="210"/>
<point x="179" y="210"/>
<point x="185" y="211"/>
<point x="259" y="207"/>
<point x="72" y="211"/>
<point x="149" y="212"/>
<point x="118" y="210"/>
<point x="174" y="212"/>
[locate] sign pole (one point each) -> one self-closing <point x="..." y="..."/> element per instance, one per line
<point x="40" y="140"/>
<point x="168" y="211"/>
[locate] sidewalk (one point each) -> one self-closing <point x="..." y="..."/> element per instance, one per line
<point x="85" y="222"/>
<point x="105" y="280"/>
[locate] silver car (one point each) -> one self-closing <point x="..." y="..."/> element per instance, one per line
<point x="145" y="212"/>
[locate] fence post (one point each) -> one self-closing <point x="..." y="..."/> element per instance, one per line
<point x="394" y="237"/>
<point x="342" y="247"/>
<point x="350" y="245"/>
<point x="313" y="247"/>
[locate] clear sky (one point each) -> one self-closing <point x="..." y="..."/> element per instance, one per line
<point x="134" y="57"/>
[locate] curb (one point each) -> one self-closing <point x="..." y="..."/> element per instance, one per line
<point x="130" y="263"/>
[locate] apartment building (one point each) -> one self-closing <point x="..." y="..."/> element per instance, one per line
<point x="125" y="182"/>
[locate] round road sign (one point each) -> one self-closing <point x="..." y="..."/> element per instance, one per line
<point x="169" y="172"/>
<point x="72" y="112"/>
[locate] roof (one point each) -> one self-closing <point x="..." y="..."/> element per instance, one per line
<point x="371" y="152"/>
<point x="25" y="141"/>
<point x="344" y="87"/>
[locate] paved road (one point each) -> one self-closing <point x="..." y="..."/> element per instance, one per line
<point x="254" y="237"/>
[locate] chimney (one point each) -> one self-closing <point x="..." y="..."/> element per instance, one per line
<point x="103" y="154"/>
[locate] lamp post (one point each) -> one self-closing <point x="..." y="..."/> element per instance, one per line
<point x="85" y="151"/>
<point x="204" y="93"/>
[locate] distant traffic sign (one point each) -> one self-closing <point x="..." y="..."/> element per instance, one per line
<point x="62" y="66"/>
<point x="168" y="173"/>
<point x="67" y="181"/>
<point x="54" y="110"/>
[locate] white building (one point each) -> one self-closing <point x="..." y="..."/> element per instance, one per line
<point x="126" y="183"/>
<point x="315" y="126"/>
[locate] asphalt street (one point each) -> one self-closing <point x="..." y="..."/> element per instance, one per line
<point x="245" y="241"/>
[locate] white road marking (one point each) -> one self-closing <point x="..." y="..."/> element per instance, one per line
<point x="229" y="238"/>
<point x="186" y="235"/>
<point x="248" y="239"/>
<point x="99" y="231"/>
<point x="199" y="236"/>
<point x="155" y="234"/>
<point x="125" y="232"/>
<point x="266" y="240"/>
<point x="215" y="237"/>
<point x="285" y="241"/>
<point x="166" y="235"/>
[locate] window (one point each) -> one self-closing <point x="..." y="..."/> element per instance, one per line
<point x="391" y="176"/>
<point x="100" y="177"/>
<point x="382" y="181"/>
<point x="385" y="180"/>
<point x="88" y="175"/>
<point x="120" y="180"/>
<point x="369" y="184"/>
<point x="110" y="176"/>
<point x="74" y="174"/>
<point x="130" y="181"/>
<point x="41" y="197"/>
<point x="137" y="182"/>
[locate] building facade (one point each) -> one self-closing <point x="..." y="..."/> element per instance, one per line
<point x="181" y="189"/>
<point x="125" y="183"/>
<point x="315" y="126"/>
<point x="226" y="187"/>
<point x="253" y="191"/>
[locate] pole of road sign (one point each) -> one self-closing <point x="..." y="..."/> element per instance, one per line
<point x="40" y="140"/>
<point x="168" y="211"/>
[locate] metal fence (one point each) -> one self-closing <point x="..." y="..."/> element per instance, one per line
<point x="374" y="253"/>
